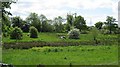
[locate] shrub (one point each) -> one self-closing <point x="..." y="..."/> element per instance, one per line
<point x="7" y="30"/>
<point x="117" y="31"/>
<point x="33" y="32"/>
<point x="83" y="32"/>
<point x="74" y="34"/>
<point x="104" y="31"/>
<point x="94" y="33"/>
<point x="16" y="33"/>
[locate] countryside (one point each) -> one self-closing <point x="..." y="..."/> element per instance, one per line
<point x="38" y="40"/>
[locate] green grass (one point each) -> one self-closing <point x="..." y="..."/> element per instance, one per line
<point x="52" y="37"/>
<point x="76" y="55"/>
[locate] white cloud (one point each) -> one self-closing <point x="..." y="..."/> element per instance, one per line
<point x="53" y="8"/>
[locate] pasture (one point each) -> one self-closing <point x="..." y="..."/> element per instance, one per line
<point x="75" y="55"/>
<point x="63" y="55"/>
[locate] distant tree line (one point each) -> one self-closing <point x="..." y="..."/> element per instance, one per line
<point x="43" y="24"/>
<point x="57" y="25"/>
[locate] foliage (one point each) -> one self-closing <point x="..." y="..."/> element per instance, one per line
<point x="99" y="25"/>
<point x="34" y="20"/>
<point x="80" y="23"/>
<point x="16" y="33"/>
<point x="33" y="32"/>
<point x="105" y="31"/>
<point x="84" y="32"/>
<point x="94" y="33"/>
<point x="6" y="24"/>
<point x="17" y="22"/>
<point x="70" y="19"/>
<point x="67" y="27"/>
<point x="58" y="26"/>
<point x="7" y="30"/>
<point x="110" y="24"/>
<point x="26" y="27"/>
<point x="6" y="5"/>
<point x="45" y="26"/>
<point x="117" y="31"/>
<point x="74" y="34"/>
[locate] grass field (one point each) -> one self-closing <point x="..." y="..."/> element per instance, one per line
<point x="53" y="37"/>
<point x="75" y="55"/>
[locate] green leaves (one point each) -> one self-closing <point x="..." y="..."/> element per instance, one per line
<point x="33" y="32"/>
<point x="16" y="33"/>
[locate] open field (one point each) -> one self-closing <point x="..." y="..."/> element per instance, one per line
<point x="90" y="54"/>
<point x="55" y="37"/>
<point x="75" y="55"/>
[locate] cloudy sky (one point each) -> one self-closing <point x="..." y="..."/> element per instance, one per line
<point x="92" y="10"/>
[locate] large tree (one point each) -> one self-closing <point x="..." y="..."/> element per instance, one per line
<point x="5" y="16"/>
<point x="43" y="21"/>
<point x="110" y="23"/>
<point x="34" y="20"/>
<point x="3" y="6"/>
<point x="80" y="23"/>
<point x="17" y="22"/>
<point x="70" y="19"/>
<point x="58" y="26"/>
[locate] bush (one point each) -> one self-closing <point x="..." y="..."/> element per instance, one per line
<point x="74" y="34"/>
<point x="84" y="32"/>
<point x="33" y="32"/>
<point x="16" y="33"/>
<point x="105" y="31"/>
<point x="6" y="31"/>
<point x="117" y="31"/>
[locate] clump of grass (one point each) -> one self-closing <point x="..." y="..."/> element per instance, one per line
<point x="55" y="50"/>
<point x="90" y="49"/>
<point x="49" y="50"/>
<point x="65" y="58"/>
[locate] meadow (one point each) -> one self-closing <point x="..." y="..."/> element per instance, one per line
<point x="55" y="37"/>
<point x="74" y="55"/>
<point x="62" y="55"/>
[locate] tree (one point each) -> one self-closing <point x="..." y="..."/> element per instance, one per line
<point x="80" y="23"/>
<point x="70" y="19"/>
<point x="25" y="26"/>
<point x="5" y="19"/>
<point x="43" y="21"/>
<point x="67" y="27"/>
<point x="58" y="26"/>
<point x="50" y="26"/>
<point x="99" y="25"/>
<point x="110" y="23"/>
<point x="6" y="5"/>
<point x="17" y="22"/>
<point x="45" y="26"/>
<point x="34" y="20"/>
<point x="6" y="24"/>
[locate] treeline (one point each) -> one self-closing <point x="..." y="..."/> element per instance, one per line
<point x="42" y="24"/>
<point x="58" y="24"/>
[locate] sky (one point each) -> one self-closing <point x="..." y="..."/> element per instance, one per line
<point x="92" y="10"/>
